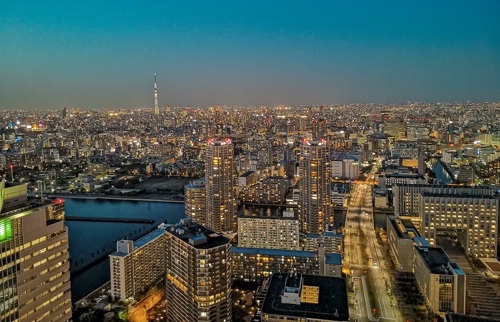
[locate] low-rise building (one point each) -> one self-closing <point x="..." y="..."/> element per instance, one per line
<point x="305" y="298"/>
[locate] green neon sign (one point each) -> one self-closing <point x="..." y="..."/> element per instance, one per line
<point x="5" y="230"/>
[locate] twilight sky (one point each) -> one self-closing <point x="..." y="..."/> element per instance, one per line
<point x="237" y="52"/>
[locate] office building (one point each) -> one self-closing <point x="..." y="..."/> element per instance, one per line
<point x="280" y="232"/>
<point x="220" y="186"/>
<point x="406" y="198"/>
<point x="306" y="298"/>
<point x="350" y="169"/>
<point x="440" y="280"/>
<point x="315" y="200"/>
<point x="402" y="236"/>
<point x="198" y="274"/>
<point x="34" y="258"/>
<point x="136" y="266"/>
<point x="391" y="179"/>
<point x="345" y="168"/>
<point x="473" y="218"/>
<point x="195" y="201"/>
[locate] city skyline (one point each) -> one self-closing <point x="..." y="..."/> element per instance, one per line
<point x="104" y="55"/>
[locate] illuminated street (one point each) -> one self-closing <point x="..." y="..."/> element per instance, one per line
<point x="369" y="272"/>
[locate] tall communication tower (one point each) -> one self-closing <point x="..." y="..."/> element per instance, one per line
<point x="157" y="110"/>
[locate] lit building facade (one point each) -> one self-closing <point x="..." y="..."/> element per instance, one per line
<point x="474" y="218"/>
<point x="271" y="190"/>
<point x="195" y="201"/>
<point x="198" y="274"/>
<point x="136" y="266"/>
<point x="256" y="264"/>
<point x="34" y="260"/>
<point x="406" y="198"/>
<point x="315" y="200"/>
<point x="269" y="232"/>
<point x="220" y="186"/>
<point x="329" y="240"/>
<point x="440" y="280"/>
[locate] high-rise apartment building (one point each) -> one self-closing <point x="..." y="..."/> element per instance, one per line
<point x="198" y="274"/>
<point x="220" y="186"/>
<point x="137" y="265"/>
<point x="315" y="201"/>
<point x="34" y="267"/>
<point x="195" y="201"/>
<point x="269" y="232"/>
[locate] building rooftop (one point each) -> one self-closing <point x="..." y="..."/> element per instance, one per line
<point x="333" y="259"/>
<point x="404" y="175"/>
<point x="404" y="228"/>
<point x="438" y="262"/>
<point x="273" y="252"/>
<point x="326" y="234"/>
<point x="196" y="235"/>
<point x="200" y="183"/>
<point x="142" y="241"/>
<point x="270" y="217"/>
<point x="246" y="174"/>
<point x="331" y="298"/>
<point x="149" y="237"/>
<point x="456" y="195"/>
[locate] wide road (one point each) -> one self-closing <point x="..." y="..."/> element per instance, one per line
<point x="369" y="272"/>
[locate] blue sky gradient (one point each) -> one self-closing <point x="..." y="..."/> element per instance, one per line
<point x="104" y="53"/>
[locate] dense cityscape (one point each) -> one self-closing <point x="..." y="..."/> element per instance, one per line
<point x="249" y="161"/>
<point x="325" y="213"/>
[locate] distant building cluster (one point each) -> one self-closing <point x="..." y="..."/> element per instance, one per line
<point x="266" y="192"/>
